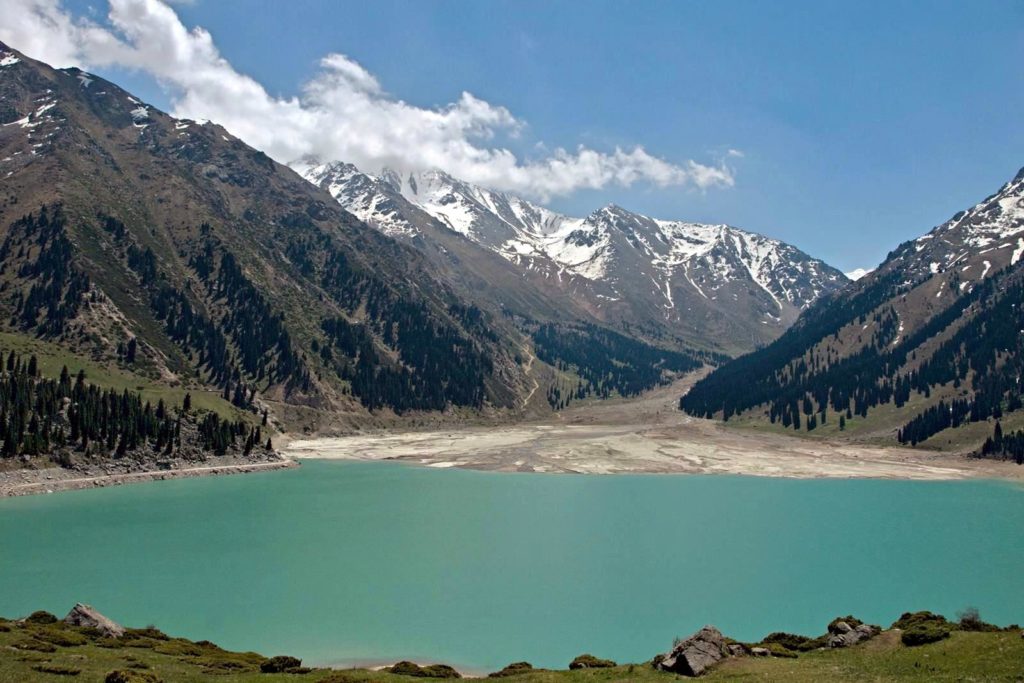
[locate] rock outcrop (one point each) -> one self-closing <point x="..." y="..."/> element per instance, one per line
<point x="841" y="634"/>
<point x="85" y="616"/>
<point x="696" y="654"/>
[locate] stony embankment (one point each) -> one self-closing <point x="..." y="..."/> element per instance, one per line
<point x="25" y="481"/>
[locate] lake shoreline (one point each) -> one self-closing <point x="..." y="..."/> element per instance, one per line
<point x="29" y="482"/>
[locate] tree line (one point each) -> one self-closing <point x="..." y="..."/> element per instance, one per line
<point x="58" y="416"/>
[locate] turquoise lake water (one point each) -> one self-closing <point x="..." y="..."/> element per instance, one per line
<point x="340" y="562"/>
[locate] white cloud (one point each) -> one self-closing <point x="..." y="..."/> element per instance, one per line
<point x="343" y="113"/>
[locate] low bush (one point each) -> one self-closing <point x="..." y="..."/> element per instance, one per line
<point x="588" y="661"/>
<point x="41" y="617"/>
<point x="34" y="645"/>
<point x="514" y="669"/>
<point x="61" y="637"/>
<point x="921" y="628"/>
<point x="128" y="676"/>
<point x="56" y="670"/>
<point x="280" y="664"/>
<point x="970" y="620"/>
<point x="778" y="650"/>
<point x="790" y="641"/>
<point x="406" y="668"/>
<point x="149" y="632"/>
<point x="909" y="619"/>
<point x="922" y="634"/>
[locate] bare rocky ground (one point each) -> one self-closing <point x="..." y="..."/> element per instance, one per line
<point x="644" y="435"/>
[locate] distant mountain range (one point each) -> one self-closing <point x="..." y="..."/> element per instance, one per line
<point x="927" y="348"/>
<point x="711" y="286"/>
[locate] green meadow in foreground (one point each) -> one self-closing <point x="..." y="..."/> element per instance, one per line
<point x="35" y="651"/>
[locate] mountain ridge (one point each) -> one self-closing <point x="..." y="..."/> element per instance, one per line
<point x="622" y="267"/>
<point x="931" y="335"/>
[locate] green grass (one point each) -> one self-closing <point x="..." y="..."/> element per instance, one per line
<point x="997" y="656"/>
<point x="878" y="428"/>
<point x="52" y="357"/>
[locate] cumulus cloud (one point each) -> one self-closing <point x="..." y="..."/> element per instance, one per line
<point x="343" y="112"/>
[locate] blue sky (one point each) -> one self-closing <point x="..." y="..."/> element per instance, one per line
<point x="861" y="125"/>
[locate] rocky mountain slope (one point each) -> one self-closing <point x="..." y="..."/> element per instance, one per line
<point x="173" y="252"/>
<point x="926" y="348"/>
<point x="227" y="269"/>
<point x="713" y="286"/>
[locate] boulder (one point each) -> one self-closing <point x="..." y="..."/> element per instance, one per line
<point x="85" y="616"/>
<point x="843" y="635"/>
<point x="760" y="652"/>
<point x="696" y="654"/>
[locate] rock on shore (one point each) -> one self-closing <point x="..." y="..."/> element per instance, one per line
<point x="696" y="654"/>
<point x="86" y="616"/>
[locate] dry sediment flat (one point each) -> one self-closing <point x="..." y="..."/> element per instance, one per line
<point x="647" y="435"/>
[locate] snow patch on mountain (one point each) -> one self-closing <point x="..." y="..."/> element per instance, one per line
<point x="608" y="247"/>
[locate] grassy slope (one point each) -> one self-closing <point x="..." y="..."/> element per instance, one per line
<point x="964" y="656"/>
<point x="52" y="357"/>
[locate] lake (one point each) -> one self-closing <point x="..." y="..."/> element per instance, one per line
<point x="341" y="562"/>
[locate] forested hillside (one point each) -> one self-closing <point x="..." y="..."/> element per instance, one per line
<point x="67" y="419"/>
<point x="933" y="335"/>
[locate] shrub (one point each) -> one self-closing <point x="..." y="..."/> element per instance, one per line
<point x="56" y="670"/>
<point x="148" y="632"/>
<point x="280" y="664"/>
<point x="790" y="641"/>
<point x="920" y="628"/>
<point x="970" y="620"/>
<point x="778" y="650"/>
<point x="41" y="617"/>
<point x="588" y="661"/>
<point x="405" y="668"/>
<point x="178" y="648"/>
<point x="924" y="633"/>
<point x="514" y="669"/>
<point x="59" y="636"/>
<point x="127" y="676"/>
<point x="34" y="645"/>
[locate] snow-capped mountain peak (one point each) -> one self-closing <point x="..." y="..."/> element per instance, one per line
<point x="613" y="258"/>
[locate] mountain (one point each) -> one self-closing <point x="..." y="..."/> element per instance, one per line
<point x="229" y="271"/>
<point x="168" y="255"/>
<point x="924" y="349"/>
<point x="857" y="273"/>
<point x="710" y="286"/>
